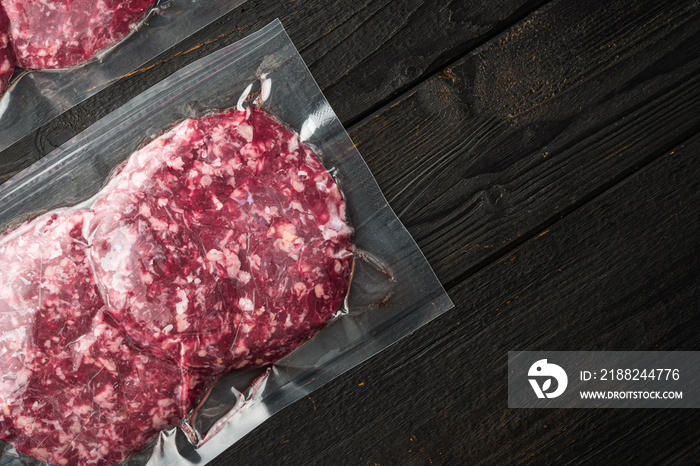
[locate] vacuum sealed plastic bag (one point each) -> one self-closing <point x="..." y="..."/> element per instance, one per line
<point x="67" y="33"/>
<point x="62" y="52"/>
<point x="194" y="262"/>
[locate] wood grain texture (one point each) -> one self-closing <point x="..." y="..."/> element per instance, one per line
<point x="541" y="119"/>
<point x="591" y="282"/>
<point x="551" y="177"/>
<point x="360" y="52"/>
<point x="520" y="153"/>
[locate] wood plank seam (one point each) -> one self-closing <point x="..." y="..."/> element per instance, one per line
<point x="544" y="227"/>
<point x="445" y="337"/>
<point x="445" y="63"/>
<point x="660" y="106"/>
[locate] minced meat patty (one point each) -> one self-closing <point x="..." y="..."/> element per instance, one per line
<point x="223" y="243"/>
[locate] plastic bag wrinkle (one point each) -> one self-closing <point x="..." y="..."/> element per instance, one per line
<point x="249" y="236"/>
<point x="72" y="390"/>
<point x="69" y="51"/>
<point x="391" y="295"/>
<point x="61" y="34"/>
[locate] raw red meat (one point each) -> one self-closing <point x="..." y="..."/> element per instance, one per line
<point x="223" y="243"/>
<point x="63" y="33"/>
<point x="7" y="54"/>
<point x="44" y="276"/>
<point x="72" y="391"/>
<point x="96" y="402"/>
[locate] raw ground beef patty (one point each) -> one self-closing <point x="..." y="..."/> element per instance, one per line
<point x="63" y="33"/>
<point x="7" y="54"/>
<point x="72" y="391"/>
<point x="223" y="243"/>
<point x="96" y="402"/>
<point x="44" y="277"/>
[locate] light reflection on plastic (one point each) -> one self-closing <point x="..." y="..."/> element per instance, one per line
<point x="320" y="117"/>
<point x="265" y="87"/>
<point x="4" y="103"/>
<point x="243" y="97"/>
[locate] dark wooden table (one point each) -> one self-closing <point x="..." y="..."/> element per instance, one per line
<point x="546" y="158"/>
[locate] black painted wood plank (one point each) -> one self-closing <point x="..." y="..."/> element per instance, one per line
<point x="619" y="273"/>
<point x="527" y="141"/>
<point x="541" y="119"/>
<point x="360" y="52"/>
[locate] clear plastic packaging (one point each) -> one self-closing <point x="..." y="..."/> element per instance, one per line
<point x="393" y="290"/>
<point x="35" y="97"/>
<point x="65" y="34"/>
